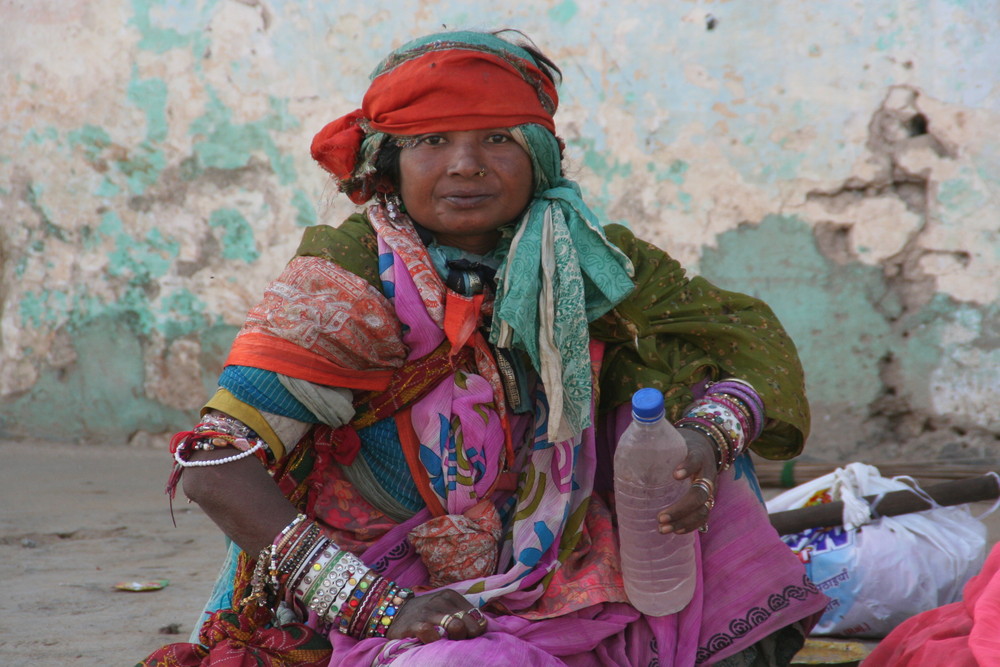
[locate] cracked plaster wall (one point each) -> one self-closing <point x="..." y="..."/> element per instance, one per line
<point x="840" y="160"/>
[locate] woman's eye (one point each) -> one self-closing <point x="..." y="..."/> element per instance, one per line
<point x="498" y="138"/>
<point x="432" y="140"/>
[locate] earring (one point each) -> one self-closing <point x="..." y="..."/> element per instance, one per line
<point x="481" y="173"/>
<point x="394" y="205"/>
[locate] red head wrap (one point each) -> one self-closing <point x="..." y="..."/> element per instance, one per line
<point x="443" y="90"/>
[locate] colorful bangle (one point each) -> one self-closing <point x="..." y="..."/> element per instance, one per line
<point x="313" y="568"/>
<point x="346" y="617"/>
<point x="323" y="580"/>
<point x="299" y="581"/>
<point x="333" y="579"/>
<point x="369" y="605"/>
<point x="391" y="609"/>
<point x="363" y="585"/>
<point x="746" y="394"/>
<point x="299" y="549"/>
<point x="714" y="434"/>
<point x="388" y="607"/>
<point x="723" y="417"/>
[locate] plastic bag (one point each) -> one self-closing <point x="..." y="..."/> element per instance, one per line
<point x="881" y="573"/>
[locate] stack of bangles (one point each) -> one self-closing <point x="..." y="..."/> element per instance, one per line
<point x="730" y="414"/>
<point x="335" y="584"/>
<point x="216" y="430"/>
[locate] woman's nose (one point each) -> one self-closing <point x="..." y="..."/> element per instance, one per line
<point x="466" y="159"/>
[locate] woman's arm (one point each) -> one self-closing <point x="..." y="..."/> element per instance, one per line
<point x="240" y="497"/>
<point x="247" y="505"/>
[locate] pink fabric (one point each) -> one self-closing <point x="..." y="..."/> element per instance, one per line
<point x="750" y="585"/>
<point x="961" y="634"/>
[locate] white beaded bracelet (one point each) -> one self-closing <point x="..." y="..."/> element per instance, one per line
<point x="216" y="462"/>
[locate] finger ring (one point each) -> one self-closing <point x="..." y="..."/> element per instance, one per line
<point x="703" y="529"/>
<point x="707" y="485"/>
<point x="442" y="633"/>
<point x="478" y="615"/>
<point x="710" y="503"/>
<point x="448" y="618"/>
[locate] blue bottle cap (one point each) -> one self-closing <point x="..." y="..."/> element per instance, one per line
<point x="647" y="404"/>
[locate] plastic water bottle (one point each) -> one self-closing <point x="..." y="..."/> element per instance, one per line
<point x="659" y="570"/>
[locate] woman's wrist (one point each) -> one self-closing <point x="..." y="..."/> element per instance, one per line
<point x="303" y="565"/>
<point x="731" y="415"/>
<point x="701" y="441"/>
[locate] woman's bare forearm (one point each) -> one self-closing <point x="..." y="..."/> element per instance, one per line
<point x="240" y="497"/>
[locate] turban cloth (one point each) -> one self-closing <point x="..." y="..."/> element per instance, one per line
<point x="448" y="82"/>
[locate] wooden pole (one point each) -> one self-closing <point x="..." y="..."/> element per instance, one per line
<point x="826" y="515"/>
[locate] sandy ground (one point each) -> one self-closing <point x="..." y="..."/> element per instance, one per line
<point x="76" y="520"/>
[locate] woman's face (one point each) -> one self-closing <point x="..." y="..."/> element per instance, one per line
<point x="445" y="188"/>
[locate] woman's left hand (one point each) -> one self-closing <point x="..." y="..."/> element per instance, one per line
<point x="443" y="614"/>
<point x="692" y="510"/>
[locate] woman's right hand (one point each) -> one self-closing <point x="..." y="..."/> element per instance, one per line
<point x="423" y="615"/>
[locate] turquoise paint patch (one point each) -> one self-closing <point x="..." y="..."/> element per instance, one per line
<point x="153" y="37"/>
<point x="142" y="168"/>
<point x="32" y="308"/>
<point x="107" y="189"/>
<point x="564" y="12"/>
<point x="677" y="170"/>
<point x="828" y="309"/>
<point x="305" y="211"/>
<point x="685" y="200"/>
<point x="181" y="313"/>
<point x="597" y="161"/>
<point x="226" y="145"/>
<point x="36" y="137"/>
<point x="100" y="397"/>
<point x="237" y="239"/>
<point x="150" y="95"/>
<point x="674" y="172"/>
<point x="920" y="352"/>
<point x="138" y="261"/>
<point x="92" y="139"/>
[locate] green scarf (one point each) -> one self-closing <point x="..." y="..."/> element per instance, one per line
<point x="561" y="273"/>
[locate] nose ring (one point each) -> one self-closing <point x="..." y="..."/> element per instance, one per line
<point x="481" y="173"/>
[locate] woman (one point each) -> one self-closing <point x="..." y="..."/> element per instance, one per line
<point x="435" y="389"/>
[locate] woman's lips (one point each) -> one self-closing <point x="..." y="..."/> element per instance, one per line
<point x="466" y="199"/>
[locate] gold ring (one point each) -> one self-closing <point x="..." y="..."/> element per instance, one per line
<point x="478" y="615"/>
<point x="448" y="618"/>
<point x="703" y="529"/>
<point x="707" y="485"/>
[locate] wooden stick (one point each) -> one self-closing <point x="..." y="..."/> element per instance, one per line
<point x="826" y="515"/>
<point x="787" y="474"/>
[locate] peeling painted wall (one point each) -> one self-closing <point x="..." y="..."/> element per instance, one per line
<point x="840" y="160"/>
